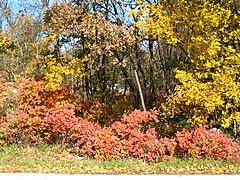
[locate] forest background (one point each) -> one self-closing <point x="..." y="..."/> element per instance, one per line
<point x="70" y="72"/>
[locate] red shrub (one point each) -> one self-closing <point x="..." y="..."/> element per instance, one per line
<point x="43" y="115"/>
<point x="201" y="143"/>
<point x="104" y="145"/>
<point x="147" y="147"/>
<point x="83" y="132"/>
<point x="96" y="111"/>
<point x="94" y="141"/>
<point x="139" y="140"/>
<point x="50" y="116"/>
<point x="123" y="139"/>
<point x="8" y="105"/>
<point x="137" y="118"/>
<point x="59" y="123"/>
<point x="39" y="124"/>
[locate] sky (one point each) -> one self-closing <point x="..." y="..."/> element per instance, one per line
<point x="17" y="6"/>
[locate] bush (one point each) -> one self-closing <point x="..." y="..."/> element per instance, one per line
<point x="203" y="143"/>
<point x="50" y="116"/>
<point x="8" y="106"/>
<point x="97" y="112"/>
<point x="42" y="116"/>
<point x="82" y="133"/>
<point x="8" y="97"/>
<point x="126" y="138"/>
<point x="103" y="145"/>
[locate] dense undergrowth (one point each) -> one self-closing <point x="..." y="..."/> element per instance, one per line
<point x="34" y="114"/>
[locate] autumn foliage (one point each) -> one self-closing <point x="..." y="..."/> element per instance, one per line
<point x="75" y="84"/>
<point x="128" y="139"/>
<point x="207" y="35"/>
<point x="45" y="116"/>
<point x="41" y="115"/>
<point x="203" y="143"/>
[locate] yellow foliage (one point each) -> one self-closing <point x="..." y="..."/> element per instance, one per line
<point x="209" y="35"/>
<point x="64" y="65"/>
<point x="4" y="41"/>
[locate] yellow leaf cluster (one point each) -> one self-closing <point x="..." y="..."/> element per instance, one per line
<point x="159" y="24"/>
<point x="4" y="41"/>
<point x="209" y="35"/>
<point x="57" y="67"/>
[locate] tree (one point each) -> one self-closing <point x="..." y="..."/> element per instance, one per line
<point x="207" y="34"/>
<point x="90" y="38"/>
<point x="25" y="27"/>
<point x="5" y="11"/>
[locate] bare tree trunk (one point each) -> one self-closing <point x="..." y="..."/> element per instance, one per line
<point x="140" y="90"/>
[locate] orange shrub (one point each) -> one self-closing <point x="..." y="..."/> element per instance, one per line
<point x="43" y="115"/>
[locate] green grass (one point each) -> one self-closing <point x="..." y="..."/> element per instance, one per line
<point x="54" y="159"/>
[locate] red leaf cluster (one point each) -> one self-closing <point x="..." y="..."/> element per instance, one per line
<point x="201" y="143"/>
<point x="42" y="115"/>
<point x="127" y="139"/>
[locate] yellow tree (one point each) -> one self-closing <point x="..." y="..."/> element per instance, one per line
<point x="208" y="34"/>
<point x="4" y="42"/>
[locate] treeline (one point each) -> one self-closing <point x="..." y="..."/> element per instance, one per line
<point x="185" y="53"/>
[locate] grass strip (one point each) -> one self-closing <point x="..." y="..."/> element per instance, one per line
<point x="55" y="159"/>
